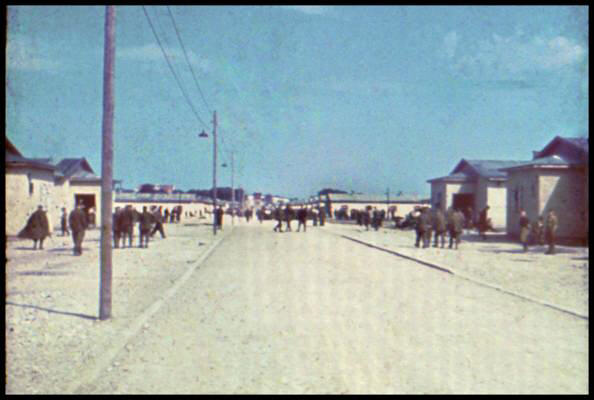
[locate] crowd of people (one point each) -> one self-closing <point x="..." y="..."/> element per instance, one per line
<point x="427" y="222"/>
<point x="124" y="220"/>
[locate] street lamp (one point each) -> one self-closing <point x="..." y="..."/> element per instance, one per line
<point x="203" y="134"/>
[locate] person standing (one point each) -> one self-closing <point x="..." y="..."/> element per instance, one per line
<point x="322" y="214"/>
<point x="288" y="217"/>
<point x="145" y="224"/>
<point x="538" y="231"/>
<point x="375" y="221"/>
<point x="423" y="225"/>
<point x="483" y="223"/>
<point x="37" y="228"/>
<point x="302" y="218"/>
<point x="64" y="222"/>
<point x="127" y="220"/>
<point x="279" y="219"/>
<point x="524" y="229"/>
<point x="92" y="217"/>
<point x="117" y="231"/>
<point x="158" y="222"/>
<point x="166" y="216"/>
<point x="439" y="226"/>
<point x="78" y="224"/>
<point x="455" y="224"/>
<point x="219" y="218"/>
<point x="551" y="225"/>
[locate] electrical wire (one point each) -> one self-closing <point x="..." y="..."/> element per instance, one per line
<point x="171" y="68"/>
<point x="187" y="59"/>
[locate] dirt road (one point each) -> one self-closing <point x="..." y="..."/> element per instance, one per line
<point x="313" y="313"/>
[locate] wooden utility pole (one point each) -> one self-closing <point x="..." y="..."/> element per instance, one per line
<point x="106" y="165"/>
<point x="232" y="194"/>
<point x="214" y="173"/>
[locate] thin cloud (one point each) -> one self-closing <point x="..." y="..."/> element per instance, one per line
<point x="152" y="52"/>
<point x="23" y="54"/>
<point x="510" y="58"/>
<point x="309" y="9"/>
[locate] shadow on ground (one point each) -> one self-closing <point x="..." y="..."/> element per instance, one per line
<point x="49" y="310"/>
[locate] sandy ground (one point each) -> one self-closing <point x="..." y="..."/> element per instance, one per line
<point x="292" y="313"/>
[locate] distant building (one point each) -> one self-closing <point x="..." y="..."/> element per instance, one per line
<point x="555" y="179"/>
<point x="341" y="201"/>
<point x="475" y="184"/>
<point x="29" y="183"/>
<point x="75" y="183"/>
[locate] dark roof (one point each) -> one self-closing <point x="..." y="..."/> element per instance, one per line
<point x="77" y="168"/>
<point x="489" y="169"/>
<point x="13" y="158"/>
<point x="10" y="148"/>
<point x="574" y="150"/>
<point x="544" y="162"/>
<point x="457" y="177"/>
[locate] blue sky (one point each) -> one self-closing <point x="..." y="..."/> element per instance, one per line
<point x="356" y="98"/>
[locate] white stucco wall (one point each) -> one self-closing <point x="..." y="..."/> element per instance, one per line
<point x="20" y="204"/>
<point x="564" y="192"/>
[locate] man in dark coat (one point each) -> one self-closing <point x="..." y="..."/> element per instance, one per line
<point x="166" y="216"/>
<point x="375" y="220"/>
<point x="219" y="217"/>
<point x="455" y="224"/>
<point x="37" y="228"/>
<point x="117" y="231"/>
<point x="524" y="229"/>
<point x="322" y="214"/>
<point x="423" y="225"/>
<point x="288" y="217"/>
<point x="278" y="216"/>
<point x="551" y="224"/>
<point x="127" y="220"/>
<point x="439" y="227"/>
<point x="302" y="218"/>
<point x="78" y="224"/>
<point x="158" y="222"/>
<point x="145" y="224"/>
<point x="366" y="217"/>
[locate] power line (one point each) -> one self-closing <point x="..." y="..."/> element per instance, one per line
<point x="172" y="70"/>
<point x="187" y="59"/>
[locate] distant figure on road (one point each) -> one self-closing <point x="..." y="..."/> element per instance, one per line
<point x="116" y="227"/>
<point x="92" y="217"/>
<point x="550" y="230"/>
<point x="218" y="214"/>
<point x="145" y="224"/>
<point x="423" y="225"/>
<point x="127" y="220"/>
<point x="375" y="220"/>
<point x="468" y="223"/>
<point x="278" y="216"/>
<point x="78" y="223"/>
<point x="524" y="229"/>
<point x="322" y="214"/>
<point x="314" y="216"/>
<point x="439" y="226"/>
<point x="302" y="218"/>
<point x="538" y="231"/>
<point x="483" y="223"/>
<point x="158" y="222"/>
<point x="64" y="222"/>
<point x="455" y="224"/>
<point x="288" y="217"/>
<point x="37" y="228"/>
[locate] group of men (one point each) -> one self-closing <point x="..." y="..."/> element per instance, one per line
<point x="540" y="231"/>
<point x="369" y="216"/>
<point x="149" y="222"/>
<point x="435" y="222"/>
<point x="302" y="214"/>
